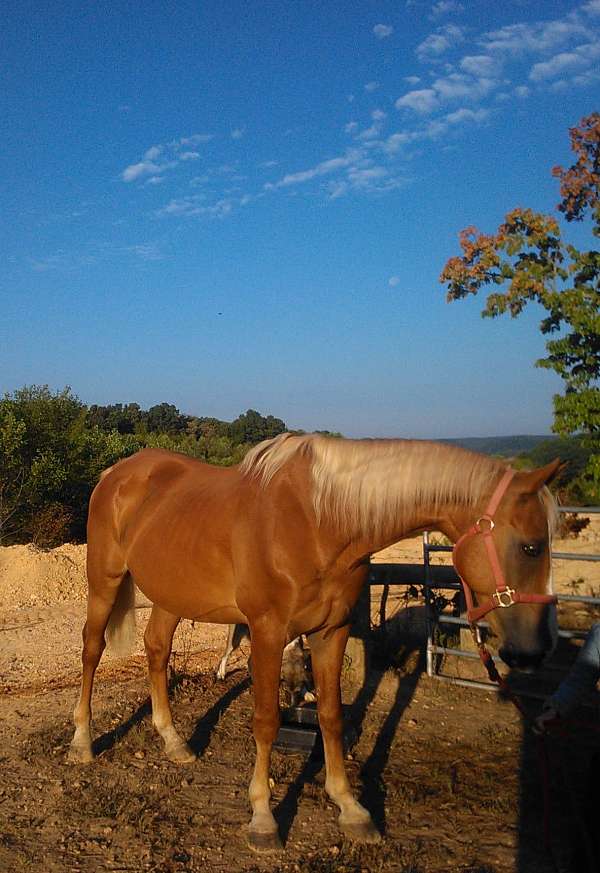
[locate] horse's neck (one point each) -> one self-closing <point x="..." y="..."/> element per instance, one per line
<point x="396" y="494"/>
<point x="451" y="520"/>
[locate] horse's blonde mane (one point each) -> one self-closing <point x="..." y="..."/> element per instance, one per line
<point x="364" y="485"/>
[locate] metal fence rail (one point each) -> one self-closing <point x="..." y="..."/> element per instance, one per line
<point x="433" y="583"/>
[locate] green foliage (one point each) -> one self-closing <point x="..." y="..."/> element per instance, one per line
<point x="528" y="256"/>
<point x="574" y="486"/>
<point x="53" y="449"/>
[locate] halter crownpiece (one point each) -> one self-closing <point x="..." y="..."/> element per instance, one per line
<point x="503" y="596"/>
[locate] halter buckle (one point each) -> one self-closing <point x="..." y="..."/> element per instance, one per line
<point x="504" y="598"/>
<point x="489" y="520"/>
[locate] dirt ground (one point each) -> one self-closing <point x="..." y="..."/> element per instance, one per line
<point x="450" y="774"/>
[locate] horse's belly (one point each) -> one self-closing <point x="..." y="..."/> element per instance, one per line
<point x="198" y="591"/>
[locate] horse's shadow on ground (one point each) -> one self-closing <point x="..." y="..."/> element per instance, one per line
<point x="110" y="738"/>
<point x="202" y="732"/>
<point x="200" y="738"/>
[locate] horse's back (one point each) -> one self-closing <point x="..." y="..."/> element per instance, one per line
<point x="154" y="472"/>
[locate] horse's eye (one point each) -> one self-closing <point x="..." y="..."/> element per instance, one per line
<point x="532" y="550"/>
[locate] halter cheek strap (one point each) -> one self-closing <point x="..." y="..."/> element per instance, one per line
<point x="503" y="596"/>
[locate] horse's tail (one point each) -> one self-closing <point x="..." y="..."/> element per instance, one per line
<point x="120" y="630"/>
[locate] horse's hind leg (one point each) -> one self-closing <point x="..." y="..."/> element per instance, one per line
<point x="327" y="652"/>
<point x="158" y="640"/>
<point x="101" y="599"/>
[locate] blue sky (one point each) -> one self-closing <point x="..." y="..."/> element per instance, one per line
<point x="234" y="205"/>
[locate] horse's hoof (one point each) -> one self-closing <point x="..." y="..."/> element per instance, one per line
<point x="79" y="754"/>
<point x="181" y="754"/>
<point x="264" y="841"/>
<point x="361" y="831"/>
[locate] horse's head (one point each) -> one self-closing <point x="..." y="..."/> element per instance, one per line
<point x="504" y="560"/>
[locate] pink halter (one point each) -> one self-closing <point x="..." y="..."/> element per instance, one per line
<point x="503" y="596"/>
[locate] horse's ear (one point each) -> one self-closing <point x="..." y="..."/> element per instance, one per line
<point x="543" y="475"/>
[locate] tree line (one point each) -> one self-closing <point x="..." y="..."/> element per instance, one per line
<point x="53" y="448"/>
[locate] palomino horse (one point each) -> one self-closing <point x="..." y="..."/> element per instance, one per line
<point x="282" y="543"/>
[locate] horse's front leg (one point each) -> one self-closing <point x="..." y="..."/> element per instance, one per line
<point x="327" y="653"/>
<point x="267" y="648"/>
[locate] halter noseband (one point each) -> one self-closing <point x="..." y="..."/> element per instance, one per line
<point x="503" y="596"/>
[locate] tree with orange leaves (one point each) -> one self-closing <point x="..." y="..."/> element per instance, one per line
<point x="528" y="260"/>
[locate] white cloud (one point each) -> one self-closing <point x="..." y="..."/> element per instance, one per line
<point x="153" y="153"/>
<point x="445" y="7"/>
<point x="424" y="101"/>
<point x="143" y="168"/>
<point x="337" y="189"/>
<point x="436" y="44"/>
<point x="462" y="115"/>
<point x="480" y="65"/>
<point x="522" y="91"/>
<point x="382" y="31"/>
<point x="238" y="132"/>
<point x="538" y="36"/>
<point x="192" y="206"/>
<point x="433" y="129"/>
<point x="351" y="127"/>
<point x="395" y="142"/>
<point x="363" y="178"/>
<point x="371" y="86"/>
<point x="455" y="86"/>
<point x="369" y="133"/>
<point x="592" y="8"/>
<point x="458" y="86"/>
<point x="412" y="80"/>
<point x="565" y="62"/>
<point x="394" y="281"/>
<point x="171" y="154"/>
<point x="321" y="169"/>
<point x="193" y="140"/>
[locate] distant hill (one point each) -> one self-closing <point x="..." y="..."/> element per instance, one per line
<point x="505" y="446"/>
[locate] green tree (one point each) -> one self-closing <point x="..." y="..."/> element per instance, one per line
<point x="252" y="427"/>
<point x="165" y="418"/>
<point x="528" y="257"/>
